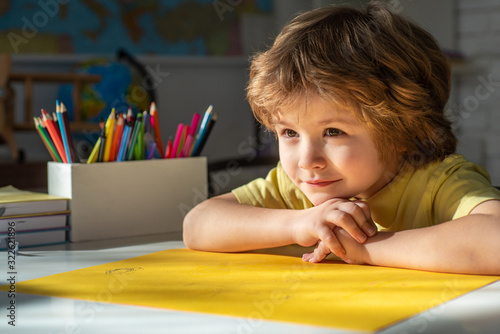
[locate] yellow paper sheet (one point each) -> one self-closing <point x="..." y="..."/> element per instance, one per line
<point x="261" y="286"/>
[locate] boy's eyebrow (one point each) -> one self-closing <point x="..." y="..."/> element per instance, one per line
<point x="326" y="121"/>
<point x="282" y="123"/>
<point x="333" y="119"/>
<point x="348" y="121"/>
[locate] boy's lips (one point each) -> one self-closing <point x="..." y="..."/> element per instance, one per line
<point x="320" y="183"/>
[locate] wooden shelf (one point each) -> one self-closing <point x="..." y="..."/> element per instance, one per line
<point x="77" y="79"/>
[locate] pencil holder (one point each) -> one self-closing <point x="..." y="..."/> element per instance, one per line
<point x="133" y="198"/>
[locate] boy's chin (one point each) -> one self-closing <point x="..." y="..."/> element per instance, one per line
<point x="318" y="199"/>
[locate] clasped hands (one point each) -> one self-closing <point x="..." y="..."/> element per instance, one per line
<point x="337" y="226"/>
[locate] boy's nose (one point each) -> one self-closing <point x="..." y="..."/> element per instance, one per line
<point x="311" y="157"/>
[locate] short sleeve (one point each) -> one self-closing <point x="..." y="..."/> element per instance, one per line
<point x="261" y="192"/>
<point x="460" y="188"/>
<point x="275" y="191"/>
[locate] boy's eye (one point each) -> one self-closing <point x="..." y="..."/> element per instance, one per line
<point x="290" y="133"/>
<point x="331" y="132"/>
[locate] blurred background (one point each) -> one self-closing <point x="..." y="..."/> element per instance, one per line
<point x="189" y="54"/>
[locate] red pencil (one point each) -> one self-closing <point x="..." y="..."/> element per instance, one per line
<point x="156" y="125"/>
<point x="177" y="140"/>
<point x="117" y="138"/>
<point x="54" y="134"/>
<point x="46" y="139"/>
<point x="168" y="150"/>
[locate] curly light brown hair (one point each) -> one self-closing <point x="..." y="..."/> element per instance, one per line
<point x="389" y="71"/>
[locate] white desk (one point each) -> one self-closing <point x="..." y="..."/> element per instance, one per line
<point x="476" y="312"/>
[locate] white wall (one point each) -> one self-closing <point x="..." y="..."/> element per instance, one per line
<point x="478" y="105"/>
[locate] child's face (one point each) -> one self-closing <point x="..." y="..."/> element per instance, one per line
<point x="328" y="153"/>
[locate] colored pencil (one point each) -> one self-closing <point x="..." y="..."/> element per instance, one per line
<point x="130" y="117"/>
<point x="190" y="137"/>
<point x="156" y="126"/>
<point x="203" y="129"/>
<point x="95" y="152"/>
<point x="142" y="149"/>
<point x="209" y="127"/>
<point x="168" y="150"/>
<point x="148" y="143"/>
<point x="124" y="137"/>
<point x="135" y="134"/>
<point x="100" y="157"/>
<point x="44" y="130"/>
<point x="183" y="140"/>
<point x="64" y="133"/>
<point x="177" y="140"/>
<point x="54" y="134"/>
<point x="56" y="122"/>
<point x="147" y="121"/>
<point x="69" y="137"/>
<point x="46" y="140"/>
<point x="117" y="138"/>
<point x="139" y="145"/>
<point x="110" y="127"/>
<point x="124" y="142"/>
<point x="151" y="151"/>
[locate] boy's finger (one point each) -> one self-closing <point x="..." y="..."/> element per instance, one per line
<point x="330" y="243"/>
<point x="318" y="255"/>
<point x="307" y="256"/>
<point x="358" y="211"/>
<point x="368" y="226"/>
<point x="346" y="221"/>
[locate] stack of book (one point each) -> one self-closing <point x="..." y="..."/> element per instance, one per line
<point x="30" y="219"/>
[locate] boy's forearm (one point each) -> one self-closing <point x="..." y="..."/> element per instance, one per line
<point x="459" y="246"/>
<point x="227" y="226"/>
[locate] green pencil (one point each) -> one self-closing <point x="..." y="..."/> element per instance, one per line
<point x="47" y="141"/>
<point x="139" y="152"/>
<point x="135" y="134"/>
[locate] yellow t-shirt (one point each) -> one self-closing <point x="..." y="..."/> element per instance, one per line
<point x="440" y="192"/>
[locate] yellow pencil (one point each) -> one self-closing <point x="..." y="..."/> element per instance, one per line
<point x="110" y="126"/>
<point x="95" y="151"/>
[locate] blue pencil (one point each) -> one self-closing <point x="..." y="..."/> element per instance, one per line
<point x="203" y="128"/>
<point x="124" y="143"/>
<point x="62" y="128"/>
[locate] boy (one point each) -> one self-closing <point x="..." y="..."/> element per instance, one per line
<point x="356" y="100"/>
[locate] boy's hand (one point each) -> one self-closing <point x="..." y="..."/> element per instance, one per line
<point x="355" y="252"/>
<point x="318" y="224"/>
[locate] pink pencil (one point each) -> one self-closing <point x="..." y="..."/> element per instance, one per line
<point x="177" y="141"/>
<point x="168" y="150"/>
<point x="190" y="137"/>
